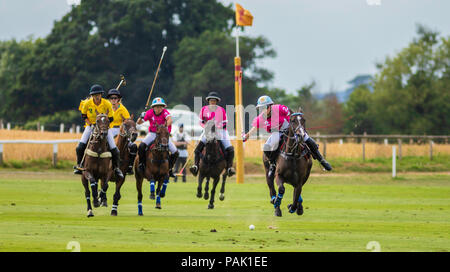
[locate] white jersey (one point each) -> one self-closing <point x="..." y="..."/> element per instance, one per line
<point x="182" y="137"/>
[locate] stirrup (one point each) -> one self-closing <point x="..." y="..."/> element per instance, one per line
<point x="118" y="172"/>
<point x="231" y="172"/>
<point x="194" y="170"/>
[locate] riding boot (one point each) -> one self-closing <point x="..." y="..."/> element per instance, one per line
<point x="272" y="157"/>
<point x="141" y="153"/>
<point x="316" y="154"/>
<point x="172" y="159"/>
<point x="116" y="162"/>
<point x="80" y="153"/>
<point x="132" y="147"/>
<point x="229" y="156"/>
<point x="197" y="153"/>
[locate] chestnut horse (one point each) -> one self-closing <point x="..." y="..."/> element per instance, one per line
<point x="96" y="163"/>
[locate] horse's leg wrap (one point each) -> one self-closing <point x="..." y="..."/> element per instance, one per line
<point x="140" y="208"/>
<point x="164" y="187"/>
<point x="152" y="186"/>
<point x="279" y="197"/>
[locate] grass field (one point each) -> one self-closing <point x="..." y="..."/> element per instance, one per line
<point x="44" y="211"/>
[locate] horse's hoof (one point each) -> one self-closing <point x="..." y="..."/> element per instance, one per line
<point x="152" y="196"/>
<point x="278" y="212"/>
<point x="113" y="212"/>
<point x="158" y="206"/>
<point x="90" y="213"/>
<point x="141" y="214"/>
<point x="222" y="197"/>
<point x="210" y="206"/>
<point x="104" y="203"/>
<point x="162" y="195"/>
<point x="300" y="210"/>
<point x="290" y="209"/>
<point x="199" y="195"/>
<point x="206" y="196"/>
<point x="95" y="203"/>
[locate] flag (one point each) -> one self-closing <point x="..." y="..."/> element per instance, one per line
<point x="243" y="16"/>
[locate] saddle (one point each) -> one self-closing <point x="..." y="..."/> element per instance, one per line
<point x="219" y="159"/>
<point x="305" y="151"/>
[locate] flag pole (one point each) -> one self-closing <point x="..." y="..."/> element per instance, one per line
<point x="238" y="106"/>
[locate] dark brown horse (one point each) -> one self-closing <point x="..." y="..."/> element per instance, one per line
<point x="96" y="163"/>
<point x="156" y="168"/>
<point x="212" y="164"/>
<point x="293" y="166"/>
<point x="125" y="144"/>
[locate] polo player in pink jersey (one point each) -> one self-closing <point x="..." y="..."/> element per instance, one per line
<point x="218" y="114"/>
<point x="157" y="115"/>
<point x="275" y="119"/>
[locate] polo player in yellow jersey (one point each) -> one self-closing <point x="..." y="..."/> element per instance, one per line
<point x="120" y="114"/>
<point x="90" y="108"/>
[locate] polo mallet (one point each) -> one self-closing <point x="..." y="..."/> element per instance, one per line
<point x="156" y="75"/>
<point x="123" y="82"/>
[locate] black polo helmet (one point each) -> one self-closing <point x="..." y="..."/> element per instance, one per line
<point x="213" y="95"/>
<point x="96" y="89"/>
<point x="114" y="92"/>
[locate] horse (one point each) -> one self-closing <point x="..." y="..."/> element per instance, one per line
<point x="96" y="163"/>
<point x="128" y="134"/>
<point x="212" y="164"/>
<point x="156" y="168"/>
<point x="293" y="166"/>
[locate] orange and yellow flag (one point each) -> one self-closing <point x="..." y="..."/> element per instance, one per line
<point x="243" y="16"/>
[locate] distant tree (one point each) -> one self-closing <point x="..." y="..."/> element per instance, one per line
<point x="206" y="63"/>
<point x="410" y="91"/>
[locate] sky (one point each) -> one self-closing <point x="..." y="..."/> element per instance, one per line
<point x="329" y="41"/>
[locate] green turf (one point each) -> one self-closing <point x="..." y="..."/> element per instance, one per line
<point x="45" y="211"/>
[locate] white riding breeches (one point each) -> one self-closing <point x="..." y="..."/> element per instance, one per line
<point x="115" y="131"/>
<point x="88" y="131"/>
<point x="274" y="138"/>
<point x="221" y="135"/>
<point x="151" y="136"/>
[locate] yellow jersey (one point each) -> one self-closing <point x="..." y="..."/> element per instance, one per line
<point x="90" y="109"/>
<point x="119" y="115"/>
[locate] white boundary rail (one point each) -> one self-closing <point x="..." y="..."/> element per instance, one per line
<point x="320" y="138"/>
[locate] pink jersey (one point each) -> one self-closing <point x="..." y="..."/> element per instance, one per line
<point x="279" y="113"/>
<point x="156" y="119"/>
<point x="219" y="116"/>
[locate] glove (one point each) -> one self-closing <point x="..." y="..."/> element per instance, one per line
<point x="143" y="114"/>
<point x="244" y="139"/>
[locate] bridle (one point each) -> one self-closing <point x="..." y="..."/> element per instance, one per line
<point x="298" y="136"/>
<point x="100" y="130"/>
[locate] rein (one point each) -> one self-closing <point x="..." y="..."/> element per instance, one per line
<point x="297" y="138"/>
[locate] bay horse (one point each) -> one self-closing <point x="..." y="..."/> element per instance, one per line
<point x="96" y="163"/>
<point x="212" y="164"/>
<point x="127" y="136"/>
<point x="156" y="168"/>
<point x="293" y="166"/>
